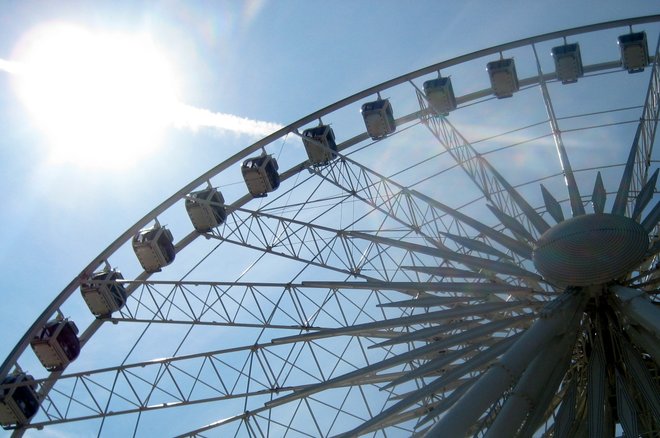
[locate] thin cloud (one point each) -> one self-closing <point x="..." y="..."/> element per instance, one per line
<point x="190" y="117"/>
<point x="11" y="67"/>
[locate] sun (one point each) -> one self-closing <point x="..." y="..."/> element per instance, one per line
<point x="101" y="99"/>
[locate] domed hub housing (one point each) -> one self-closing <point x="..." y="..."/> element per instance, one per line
<point x="590" y="249"/>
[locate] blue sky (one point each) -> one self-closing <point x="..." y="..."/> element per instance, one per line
<point x="265" y="61"/>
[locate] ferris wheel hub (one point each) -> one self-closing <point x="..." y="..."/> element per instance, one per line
<point x="590" y="249"/>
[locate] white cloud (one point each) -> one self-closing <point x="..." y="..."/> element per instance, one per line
<point x="11" y="66"/>
<point x="187" y="116"/>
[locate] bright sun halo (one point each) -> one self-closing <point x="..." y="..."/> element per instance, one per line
<point x="102" y="100"/>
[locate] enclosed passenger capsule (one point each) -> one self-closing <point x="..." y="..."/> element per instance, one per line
<point x="57" y="344"/>
<point x="568" y="62"/>
<point x="154" y="248"/>
<point x="503" y="77"/>
<point x="634" y="51"/>
<point x="320" y="144"/>
<point x="440" y="95"/>
<point x="19" y="403"/>
<point x="206" y="209"/>
<point x="260" y="175"/>
<point x="103" y="294"/>
<point x="378" y="118"/>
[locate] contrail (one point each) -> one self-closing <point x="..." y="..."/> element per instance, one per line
<point x="194" y="118"/>
<point x="11" y="67"/>
<point x="190" y="117"/>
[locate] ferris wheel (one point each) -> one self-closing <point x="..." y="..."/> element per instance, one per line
<point x="470" y="249"/>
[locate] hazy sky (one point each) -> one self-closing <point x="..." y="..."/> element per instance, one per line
<point x="232" y="70"/>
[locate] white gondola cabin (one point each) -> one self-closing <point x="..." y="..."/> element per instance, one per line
<point x="503" y="77"/>
<point x="260" y="175"/>
<point x="154" y="248"/>
<point x="18" y="403"/>
<point x="206" y="209"/>
<point x="568" y="63"/>
<point x="378" y="118"/>
<point x="440" y="95"/>
<point x="634" y="51"/>
<point x="103" y="294"/>
<point x="57" y="344"/>
<point x="320" y="144"/>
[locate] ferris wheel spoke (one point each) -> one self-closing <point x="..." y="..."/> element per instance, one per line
<point x="599" y="195"/>
<point x="645" y="195"/>
<point x="445" y="402"/>
<point x="473" y="337"/>
<point x="478" y="362"/>
<point x="359" y="180"/>
<point x="635" y="175"/>
<point x="179" y="381"/>
<point x="621" y="200"/>
<point x="177" y="400"/>
<point x="408" y="207"/>
<point x="388" y="197"/>
<point x="650" y="222"/>
<point x="431" y="333"/>
<point x="253" y="305"/>
<point x="549" y="399"/>
<point x="491" y="183"/>
<point x="243" y="305"/>
<point x="523" y="249"/>
<point x="563" y="317"/>
<point x="366" y="374"/>
<point x="577" y="207"/>
<point x="535" y="388"/>
<point x="516" y="228"/>
<point x="637" y="307"/>
<point x="552" y="205"/>
<point x="478" y="246"/>
<point x="446" y="272"/>
<point x="294" y="236"/>
<point x="327" y="248"/>
<point x="501" y="267"/>
<point x="368" y="329"/>
<point x="537" y="223"/>
<point x="423" y="291"/>
<point x="566" y="415"/>
<point x="642" y="384"/>
<point x="648" y="123"/>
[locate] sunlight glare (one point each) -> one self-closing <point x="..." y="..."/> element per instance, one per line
<point x="102" y="100"/>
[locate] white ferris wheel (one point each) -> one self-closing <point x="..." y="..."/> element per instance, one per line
<point x="408" y="261"/>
